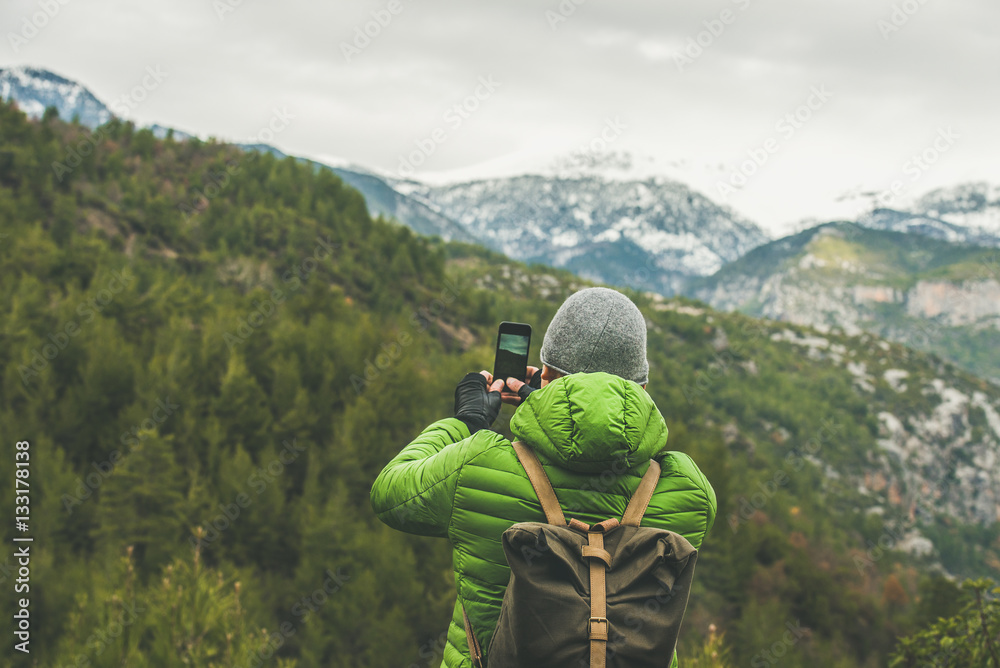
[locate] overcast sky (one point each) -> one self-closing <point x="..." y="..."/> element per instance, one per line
<point x="563" y="74"/>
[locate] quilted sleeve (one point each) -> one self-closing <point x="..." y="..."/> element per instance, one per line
<point x="415" y="491"/>
<point x="684" y="501"/>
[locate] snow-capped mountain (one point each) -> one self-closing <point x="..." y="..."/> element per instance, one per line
<point x="384" y="200"/>
<point x="968" y="213"/>
<point x="650" y="234"/>
<point x="972" y="205"/>
<point x="653" y="234"/>
<point x="602" y="216"/>
<point x="34" y="90"/>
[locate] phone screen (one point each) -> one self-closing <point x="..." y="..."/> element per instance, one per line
<point x="512" y="355"/>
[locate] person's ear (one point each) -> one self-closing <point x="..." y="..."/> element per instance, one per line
<point x="549" y="374"/>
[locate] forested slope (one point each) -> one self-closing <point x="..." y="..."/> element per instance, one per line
<point x="213" y="353"/>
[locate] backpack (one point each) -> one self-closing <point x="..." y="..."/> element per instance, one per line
<point x="608" y="595"/>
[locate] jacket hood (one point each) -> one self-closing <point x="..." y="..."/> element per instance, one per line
<point x="586" y="422"/>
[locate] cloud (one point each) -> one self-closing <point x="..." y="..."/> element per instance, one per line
<point x="560" y="82"/>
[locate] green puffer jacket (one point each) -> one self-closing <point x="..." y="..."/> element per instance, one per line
<point x="594" y="433"/>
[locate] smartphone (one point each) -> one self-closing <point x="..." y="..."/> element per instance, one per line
<point x="513" y="340"/>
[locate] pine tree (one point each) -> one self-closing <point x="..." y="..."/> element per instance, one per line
<point x="142" y="502"/>
<point x="242" y="407"/>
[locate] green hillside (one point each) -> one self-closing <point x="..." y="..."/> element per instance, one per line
<point x="895" y="258"/>
<point x="213" y="353"/>
<point x="932" y="295"/>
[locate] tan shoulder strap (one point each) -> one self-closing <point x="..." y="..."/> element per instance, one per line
<point x="540" y="482"/>
<point x="640" y="500"/>
<point x="475" y="650"/>
<point x="597" y="625"/>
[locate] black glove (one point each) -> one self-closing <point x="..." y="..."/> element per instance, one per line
<point x="532" y="385"/>
<point x="475" y="405"/>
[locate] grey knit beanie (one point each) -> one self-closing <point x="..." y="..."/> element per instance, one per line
<point x="598" y="329"/>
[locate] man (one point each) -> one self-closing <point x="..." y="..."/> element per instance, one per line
<point x="592" y="425"/>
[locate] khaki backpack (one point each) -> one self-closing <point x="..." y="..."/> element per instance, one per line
<point x="608" y="595"/>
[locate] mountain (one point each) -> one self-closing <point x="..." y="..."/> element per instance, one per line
<point x="650" y="235"/>
<point x="208" y="395"/>
<point x="893" y="220"/>
<point x="35" y="89"/>
<point x="966" y="213"/>
<point x="933" y="295"/>
<point x="385" y="200"/>
<point x="161" y="132"/>
<point x="973" y="205"/>
<point x="382" y="200"/>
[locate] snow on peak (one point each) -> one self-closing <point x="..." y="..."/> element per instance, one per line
<point x="650" y="234"/>
<point x="975" y="205"/>
<point x="36" y="89"/>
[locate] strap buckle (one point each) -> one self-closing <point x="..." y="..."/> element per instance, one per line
<point x="600" y="633"/>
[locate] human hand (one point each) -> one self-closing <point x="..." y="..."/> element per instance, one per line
<point x="477" y="400"/>
<point x="519" y="389"/>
